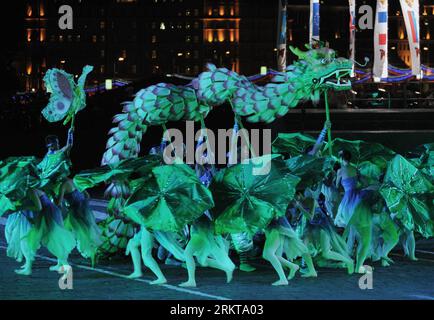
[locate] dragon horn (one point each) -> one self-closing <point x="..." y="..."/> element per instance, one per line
<point x="300" y="54"/>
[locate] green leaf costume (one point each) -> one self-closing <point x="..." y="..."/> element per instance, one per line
<point x="172" y="198"/>
<point x="247" y="201"/>
<point x="408" y="194"/>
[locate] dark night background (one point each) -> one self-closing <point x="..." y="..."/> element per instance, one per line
<point x="23" y="130"/>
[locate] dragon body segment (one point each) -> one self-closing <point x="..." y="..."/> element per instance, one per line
<point x="315" y="71"/>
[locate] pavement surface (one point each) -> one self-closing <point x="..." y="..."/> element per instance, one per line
<point x="404" y="280"/>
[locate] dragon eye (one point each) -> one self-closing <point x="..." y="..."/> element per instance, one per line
<point x="324" y="61"/>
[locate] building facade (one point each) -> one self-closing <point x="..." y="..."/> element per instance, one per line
<point x="136" y="39"/>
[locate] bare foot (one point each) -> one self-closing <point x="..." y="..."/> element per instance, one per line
<point x="229" y="275"/>
<point x="292" y="272"/>
<point x="24" y="272"/>
<point x="384" y="263"/>
<point x="350" y="267"/>
<point x="389" y="260"/>
<point x="159" y="281"/>
<point x="55" y="268"/>
<point x="413" y="258"/>
<point x="282" y="282"/>
<point x="188" y="284"/>
<point x="310" y="275"/>
<point x="135" y="275"/>
<point x="247" y="267"/>
<point x="363" y="270"/>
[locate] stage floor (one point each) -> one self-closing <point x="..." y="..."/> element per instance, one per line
<point x="403" y="280"/>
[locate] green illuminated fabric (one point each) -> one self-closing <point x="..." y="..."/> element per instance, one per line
<point x="310" y="169"/>
<point x="53" y="169"/>
<point x="362" y="151"/>
<point x="408" y="194"/>
<point x="6" y="204"/>
<point x="293" y="144"/>
<point x="67" y="97"/>
<point x="171" y="199"/>
<point x="370" y="172"/>
<point x="423" y="159"/>
<point x="248" y="199"/>
<point x="17" y="175"/>
<point x="119" y="171"/>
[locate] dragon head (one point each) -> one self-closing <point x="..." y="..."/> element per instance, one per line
<point x="322" y="69"/>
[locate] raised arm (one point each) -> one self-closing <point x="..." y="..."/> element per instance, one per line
<point x="321" y="138"/>
<point x="69" y="141"/>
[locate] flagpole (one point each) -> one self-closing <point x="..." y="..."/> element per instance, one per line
<point x="282" y="35"/>
<point x="329" y="131"/>
<point x="352" y="5"/>
<point x="314" y="21"/>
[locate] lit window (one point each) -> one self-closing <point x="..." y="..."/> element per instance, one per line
<point x="29" y="35"/>
<point x="29" y="10"/>
<point x="41" y="10"/>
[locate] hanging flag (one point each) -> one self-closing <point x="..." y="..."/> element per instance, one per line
<point x="314" y="22"/>
<point x="410" y="11"/>
<point x="380" y="41"/>
<point x="281" y="38"/>
<point x="352" y="4"/>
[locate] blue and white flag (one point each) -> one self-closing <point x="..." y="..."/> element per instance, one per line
<point x="352" y="53"/>
<point x="314" y="22"/>
<point x="380" y="41"/>
<point x="281" y="39"/>
<point x="410" y="11"/>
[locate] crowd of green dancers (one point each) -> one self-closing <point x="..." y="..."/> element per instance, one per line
<point x="342" y="205"/>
